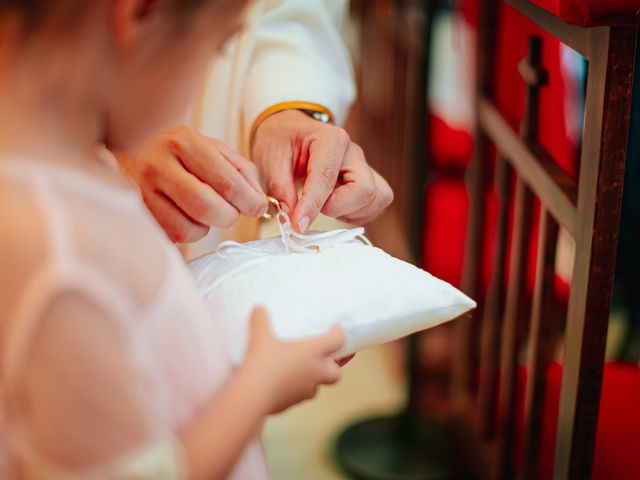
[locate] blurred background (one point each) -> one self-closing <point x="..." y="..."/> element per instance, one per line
<point x="416" y="64"/>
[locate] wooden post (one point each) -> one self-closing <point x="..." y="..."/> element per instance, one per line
<point x="514" y="319"/>
<point x="541" y="343"/>
<point x="599" y="200"/>
<point x="477" y="188"/>
<point x="494" y="310"/>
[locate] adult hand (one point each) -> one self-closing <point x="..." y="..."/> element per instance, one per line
<point x="290" y="145"/>
<point x="191" y="182"/>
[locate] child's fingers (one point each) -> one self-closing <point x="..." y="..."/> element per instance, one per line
<point x="332" y="341"/>
<point x="311" y="393"/>
<point x="260" y="323"/>
<point x="331" y="373"/>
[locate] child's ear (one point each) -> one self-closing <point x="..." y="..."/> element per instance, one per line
<point x="128" y="18"/>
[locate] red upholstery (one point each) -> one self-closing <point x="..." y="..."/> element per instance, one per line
<point x="450" y="149"/>
<point x="445" y="223"/>
<point x="444" y="226"/>
<point x="617" y="438"/>
<point x="595" y="12"/>
<point x="618" y="435"/>
<point x="557" y="99"/>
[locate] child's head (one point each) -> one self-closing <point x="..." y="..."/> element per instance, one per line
<point x="138" y="63"/>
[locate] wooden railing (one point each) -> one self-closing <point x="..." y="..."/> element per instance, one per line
<point x="588" y="210"/>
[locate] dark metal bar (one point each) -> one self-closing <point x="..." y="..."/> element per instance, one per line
<point x="477" y="187"/>
<point x="419" y="172"/>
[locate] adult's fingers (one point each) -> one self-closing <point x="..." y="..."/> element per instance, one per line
<point x="212" y="168"/>
<point x="245" y="167"/>
<point x="178" y="226"/>
<point x="383" y="198"/>
<point x="275" y="162"/>
<point x="357" y="188"/>
<point x="326" y="155"/>
<point x="198" y="200"/>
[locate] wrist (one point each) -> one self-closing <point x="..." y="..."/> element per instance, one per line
<point x="254" y="386"/>
<point x="302" y="106"/>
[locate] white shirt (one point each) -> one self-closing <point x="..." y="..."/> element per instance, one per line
<point x="291" y="52"/>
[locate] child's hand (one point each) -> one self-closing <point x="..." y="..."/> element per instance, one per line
<point x="290" y="371"/>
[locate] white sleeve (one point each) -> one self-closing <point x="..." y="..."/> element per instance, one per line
<point x="83" y="403"/>
<point x="299" y="56"/>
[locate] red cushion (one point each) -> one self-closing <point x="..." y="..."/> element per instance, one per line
<point x="579" y="12"/>
<point x="445" y="224"/>
<point x="557" y="99"/>
<point x="594" y="12"/>
<point x="617" y="439"/>
<point x="450" y="149"/>
<point x="444" y="228"/>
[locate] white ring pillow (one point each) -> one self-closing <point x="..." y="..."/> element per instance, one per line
<point x="374" y="296"/>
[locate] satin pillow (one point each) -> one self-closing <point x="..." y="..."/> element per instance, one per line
<point x="327" y="278"/>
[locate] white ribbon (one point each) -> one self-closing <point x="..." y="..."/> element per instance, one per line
<point x="294" y="242"/>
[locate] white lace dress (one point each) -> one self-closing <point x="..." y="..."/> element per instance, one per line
<point x="106" y="349"/>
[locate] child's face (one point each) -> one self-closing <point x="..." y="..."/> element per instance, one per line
<point x="159" y="66"/>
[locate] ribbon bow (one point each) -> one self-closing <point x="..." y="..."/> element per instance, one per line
<point x="292" y="241"/>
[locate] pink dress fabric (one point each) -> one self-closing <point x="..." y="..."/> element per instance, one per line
<point x="107" y="351"/>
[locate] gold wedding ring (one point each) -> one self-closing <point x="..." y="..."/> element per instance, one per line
<point x="274" y="208"/>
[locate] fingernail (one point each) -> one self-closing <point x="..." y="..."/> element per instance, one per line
<point x="303" y="224"/>
<point x="284" y="207"/>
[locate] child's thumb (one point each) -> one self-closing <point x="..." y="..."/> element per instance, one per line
<point x="333" y="340"/>
<point x="260" y="324"/>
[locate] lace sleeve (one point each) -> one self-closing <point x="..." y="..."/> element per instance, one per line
<point x="83" y="399"/>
